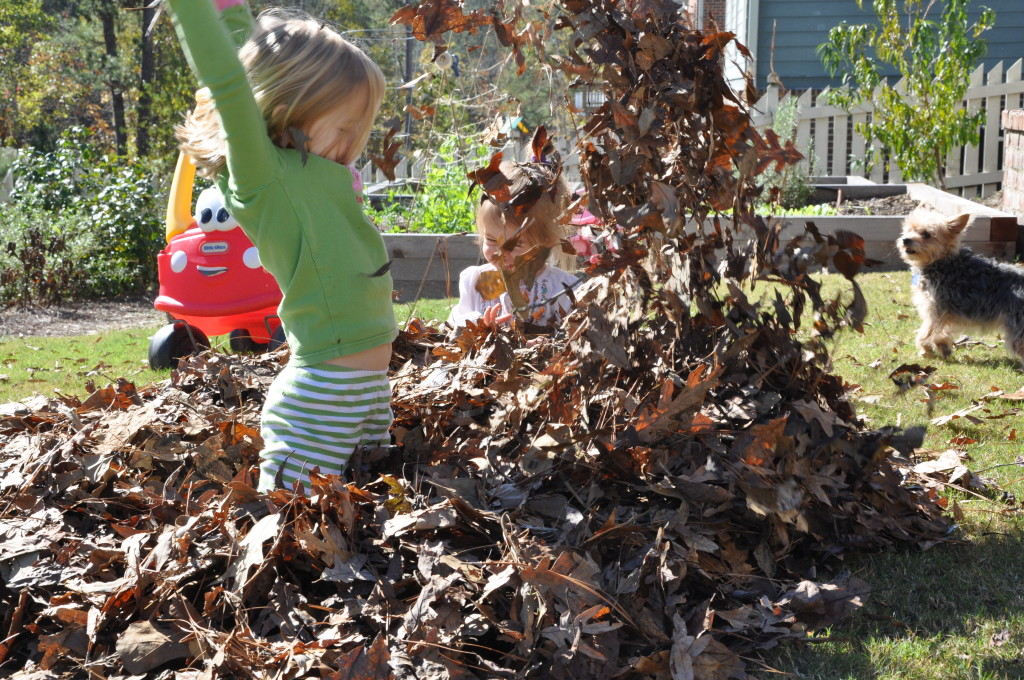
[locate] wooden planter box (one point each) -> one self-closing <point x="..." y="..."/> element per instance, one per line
<point x="428" y="265"/>
<point x="990" y="232"/>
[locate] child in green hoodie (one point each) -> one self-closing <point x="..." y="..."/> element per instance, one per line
<point x="285" y="116"/>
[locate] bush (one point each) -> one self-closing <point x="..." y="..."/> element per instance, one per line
<point x="119" y="197"/>
<point x="46" y="258"/>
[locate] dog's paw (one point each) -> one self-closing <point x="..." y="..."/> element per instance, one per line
<point x="933" y="350"/>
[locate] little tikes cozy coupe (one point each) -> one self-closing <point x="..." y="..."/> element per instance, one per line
<point x="211" y="279"/>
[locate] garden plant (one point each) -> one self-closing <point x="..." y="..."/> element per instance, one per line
<point x="79" y="224"/>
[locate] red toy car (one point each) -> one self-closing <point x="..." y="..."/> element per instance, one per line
<point x="211" y="279"/>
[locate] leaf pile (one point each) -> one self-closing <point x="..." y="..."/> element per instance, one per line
<point x="494" y="542"/>
<point x="653" y="490"/>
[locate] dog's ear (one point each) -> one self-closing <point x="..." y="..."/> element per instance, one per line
<point x="958" y="223"/>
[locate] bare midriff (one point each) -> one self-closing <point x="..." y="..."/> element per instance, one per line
<point x="373" y="359"/>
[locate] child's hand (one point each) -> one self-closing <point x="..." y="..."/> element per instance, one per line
<point x="493" y="316"/>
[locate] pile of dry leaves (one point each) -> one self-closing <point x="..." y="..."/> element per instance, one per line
<point x="535" y="519"/>
<point x="653" y="490"/>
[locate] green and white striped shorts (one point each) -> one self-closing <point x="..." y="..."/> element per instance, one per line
<point x="316" y="416"/>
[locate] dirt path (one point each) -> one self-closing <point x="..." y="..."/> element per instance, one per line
<point x="79" y="318"/>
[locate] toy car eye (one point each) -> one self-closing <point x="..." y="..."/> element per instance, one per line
<point x="205" y="216"/>
<point x="225" y="221"/>
<point x="251" y="258"/>
<point x="178" y="261"/>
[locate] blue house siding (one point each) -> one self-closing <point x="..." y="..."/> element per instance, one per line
<point x="802" y="25"/>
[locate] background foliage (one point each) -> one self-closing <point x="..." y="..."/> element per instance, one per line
<point x="112" y="73"/>
<point x="80" y="224"/>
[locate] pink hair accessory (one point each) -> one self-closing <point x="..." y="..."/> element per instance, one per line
<point x="357" y="182"/>
<point x="222" y="5"/>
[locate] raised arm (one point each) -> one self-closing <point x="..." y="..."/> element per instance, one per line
<point x="211" y="53"/>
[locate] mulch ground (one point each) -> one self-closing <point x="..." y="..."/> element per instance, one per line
<point x="888" y="205"/>
<point x="79" y="318"/>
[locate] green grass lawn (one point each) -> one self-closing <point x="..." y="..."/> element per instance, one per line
<point x="43" y="365"/>
<point x="956" y="611"/>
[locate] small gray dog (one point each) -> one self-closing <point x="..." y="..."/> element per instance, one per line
<point x="956" y="289"/>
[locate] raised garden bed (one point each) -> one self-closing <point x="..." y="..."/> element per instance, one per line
<point x="991" y="232"/>
<point x="428" y="265"/>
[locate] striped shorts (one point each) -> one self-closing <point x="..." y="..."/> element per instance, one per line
<point x="316" y="416"/>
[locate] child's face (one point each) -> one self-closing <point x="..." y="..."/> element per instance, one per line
<point x="336" y="134"/>
<point x="493" y="232"/>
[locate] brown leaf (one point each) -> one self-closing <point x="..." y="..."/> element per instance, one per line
<point x="364" y="663"/>
<point x="390" y="159"/>
<point x="490" y="285"/>
<point x="491" y="180"/>
<point x="143" y="647"/>
<point x="431" y="19"/>
<point x="420" y="112"/>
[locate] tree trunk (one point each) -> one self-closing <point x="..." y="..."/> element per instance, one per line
<point x="147" y="73"/>
<point x="107" y="15"/>
<point x="940" y="169"/>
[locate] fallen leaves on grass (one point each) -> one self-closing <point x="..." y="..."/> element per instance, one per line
<point x="522" y="526"/>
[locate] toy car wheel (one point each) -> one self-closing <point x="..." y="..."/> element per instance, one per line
<point x="277" y="339"/>
<point x="173" y="342"/>
<point x="240" y="341"/>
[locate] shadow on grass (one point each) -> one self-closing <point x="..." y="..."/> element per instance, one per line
<point x="1012" y="669"/>
<point x="965" y="358"/>
<point x="954" y="611"/>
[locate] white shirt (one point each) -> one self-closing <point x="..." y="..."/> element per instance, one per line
<point x="549" y="282"/>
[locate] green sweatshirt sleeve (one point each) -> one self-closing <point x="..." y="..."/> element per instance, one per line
<point x="251" y="157"/>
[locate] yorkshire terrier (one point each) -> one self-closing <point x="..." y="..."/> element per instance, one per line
<point x="954" y="288"/>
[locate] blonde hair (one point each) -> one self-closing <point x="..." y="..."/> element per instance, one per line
<point x="299" y="69"/>
<point x="543" y="216"/>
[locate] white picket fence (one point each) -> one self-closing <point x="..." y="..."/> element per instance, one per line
<point x="826" y="134"/>
<point x="373" y="177"/>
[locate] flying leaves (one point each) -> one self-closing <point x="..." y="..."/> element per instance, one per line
<point x="432" y="19"/>
<point x="389" y="160"/>
<point x="491" y="180"/>
<point x="490" y="284"/>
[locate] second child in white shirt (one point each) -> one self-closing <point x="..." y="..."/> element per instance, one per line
<point x="495" y="225"/>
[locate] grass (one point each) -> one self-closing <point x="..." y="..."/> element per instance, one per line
<point x="45" y="365"/>
<point x="956" y="611"/>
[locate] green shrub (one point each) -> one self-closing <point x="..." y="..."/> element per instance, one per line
<point x="442" y="204"/>
<point x="47" y="258"/>
<point x="120" y="197"/>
